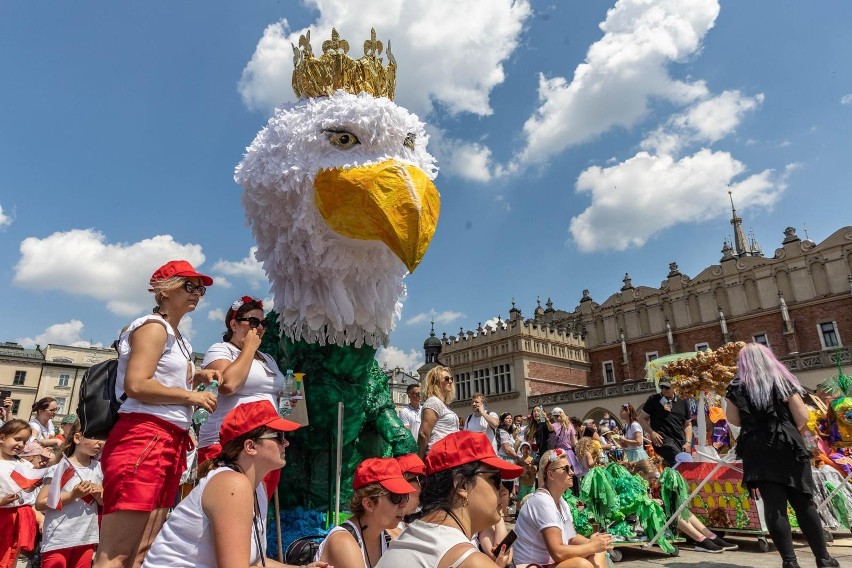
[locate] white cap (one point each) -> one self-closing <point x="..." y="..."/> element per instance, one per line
<point x="556" y="411"/>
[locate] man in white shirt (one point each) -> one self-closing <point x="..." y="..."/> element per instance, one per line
<point x="410" y="413"/>
<point x="480" y="420"/>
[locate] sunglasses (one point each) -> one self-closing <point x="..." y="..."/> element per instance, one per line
<point x="447" y="379"/>
<point x="193" y="288"/>
<point x="253" y="322"/>
<point x="665" y="387"/>
<point x="492" y="476"/>
<point x="396" y="498"/>
<point x="567" y="468"/>
<point x="279" y="437"/>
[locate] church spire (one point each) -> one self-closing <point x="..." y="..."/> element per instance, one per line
<point x="740" y="242"/>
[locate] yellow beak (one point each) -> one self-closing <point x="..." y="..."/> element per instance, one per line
<point x="391" y="202"/>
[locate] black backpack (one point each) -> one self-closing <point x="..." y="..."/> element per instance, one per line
<point x="98" y="407"/>
<point x="302" y="550"/>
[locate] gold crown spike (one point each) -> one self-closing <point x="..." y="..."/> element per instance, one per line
<point x="333" y="70"/>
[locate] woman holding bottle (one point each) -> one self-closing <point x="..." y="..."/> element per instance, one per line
<point x="248" y="375"/>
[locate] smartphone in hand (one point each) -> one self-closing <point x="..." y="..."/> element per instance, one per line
<point x="508" y="542"/>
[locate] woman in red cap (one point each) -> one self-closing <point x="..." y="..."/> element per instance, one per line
<point x="461" y="497"/>
<point x="377" y="506"/>
<point x="145" y="452"/>
<point x="222" y="522"/>
<point x="413" y="470"/>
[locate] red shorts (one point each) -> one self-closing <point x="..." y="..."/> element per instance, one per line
<point x="143" y="459"/>
<point x="74" y="557"/>
<point x="270" y="482"/>
<point x="18" y="533"/>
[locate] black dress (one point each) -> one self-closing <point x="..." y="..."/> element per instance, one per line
<point x="769" y="444"/>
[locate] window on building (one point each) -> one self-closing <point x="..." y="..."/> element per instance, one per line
<point x="20" y="378"/>
<point x="761" y="338"/>
<point x="16" y="404"/>
<point x="828" y="335"/>
<point x="60" y="403"/>
<point x="650" y="356"/>
<point x="502" y="375"/>
<point x="64" y="379"/>
<point x="608" y="373"/>
<point x="463" y="390"/>
<point x="702" y="346"/>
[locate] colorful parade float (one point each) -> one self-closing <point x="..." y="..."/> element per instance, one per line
<point x="338" y="192"/>
<point x="717" y="495"/>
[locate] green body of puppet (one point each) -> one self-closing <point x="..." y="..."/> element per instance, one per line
<point x="371" y="427"/>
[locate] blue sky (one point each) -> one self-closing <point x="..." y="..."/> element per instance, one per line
<point x="576" y="140"/>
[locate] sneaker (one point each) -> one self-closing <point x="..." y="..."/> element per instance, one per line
<point x="707" y="545"/>
<point x="724" y="544"/>
<point x="828" y="562"/>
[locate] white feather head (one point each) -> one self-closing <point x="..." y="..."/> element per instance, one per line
<point x="327" y="288"/>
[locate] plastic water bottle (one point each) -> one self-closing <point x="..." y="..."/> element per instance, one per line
<point x="201" y="414"/>
<point x="284" y="406"/>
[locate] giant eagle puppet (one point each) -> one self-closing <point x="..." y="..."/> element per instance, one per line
<point x="339" y="195"/>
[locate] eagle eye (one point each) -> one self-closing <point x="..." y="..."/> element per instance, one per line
<point x="342" y="139"/>
<point x="409" y="140"/>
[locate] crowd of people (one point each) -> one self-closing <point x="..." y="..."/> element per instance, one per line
<point x="77" y="502"/>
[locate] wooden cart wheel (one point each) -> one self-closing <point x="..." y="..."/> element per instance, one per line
<point x="615" y="555"/>
<point x="762" y="544"/>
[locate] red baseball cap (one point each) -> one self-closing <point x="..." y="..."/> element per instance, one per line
<point x="246" y="417"/>
<point x="384" y="471"/>
<point x="464" y="447"/>
<point x="179" y="268"/>
<point x="411" y="463"/>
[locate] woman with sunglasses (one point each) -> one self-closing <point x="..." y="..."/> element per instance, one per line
<point x="633" y="440"/>
<point x="44" y="432"/>
<point x="248" y="375"/>
<point x="222" y="522"/>
<point x="545" y="529"/>
<point x="379" y="499"/>
<point x="460" y="497"/>
<point x="145" y="453"/>
<point x="438" y="420"/>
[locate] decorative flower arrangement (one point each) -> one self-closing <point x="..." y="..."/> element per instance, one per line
<point x="709" y="371"/>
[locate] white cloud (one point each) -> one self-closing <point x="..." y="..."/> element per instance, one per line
<point x="67" y="333"/>
<point x="5" y="220"/>
<point x="707" y="120"/>
<point x="217" y="314"/>
<point x="493" y="323"/>
<point x="846" y="99"/>
<point x="503" y="203"/>
<point x="392" y="357"/>
<point x="449" y="53"/>
<point x="247" y="268"/>
<point x="663" y="191"/>
<point x="81" y="262"/>
<point x="439" y="317"/>
<point x="185" y="327"/>
<point x="622" y="72"/>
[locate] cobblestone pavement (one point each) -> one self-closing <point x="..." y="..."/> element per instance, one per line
<point x="748" y="555"/>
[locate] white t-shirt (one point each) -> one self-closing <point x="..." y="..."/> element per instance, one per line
<point x="502" y="437"/>
<point x="8" y="486"/>
<point x="264" y="382"/>
<point x="475" y="423"/>
<point x="40" y="432"/>
<point x="448" y="421"/>
<point x="540" y="512"/>
<point x="174" y="369"/>
<point x="186" y="540"/>
<point x="411" y="419"/>
<point x="77" y="523"/>
<point x="630" y="433"/>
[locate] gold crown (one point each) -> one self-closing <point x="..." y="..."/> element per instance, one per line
<point x="335" y="70"/>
